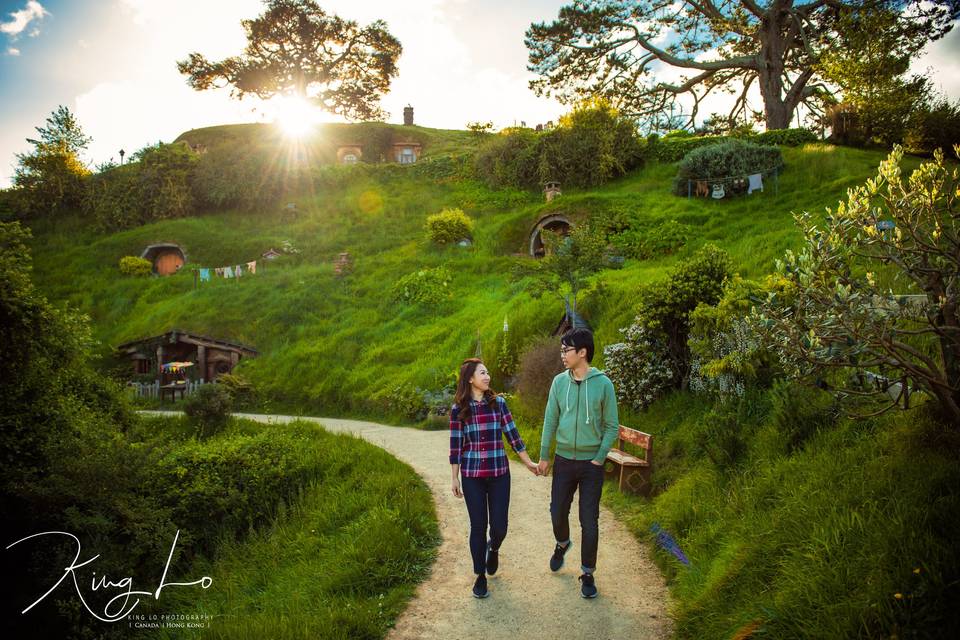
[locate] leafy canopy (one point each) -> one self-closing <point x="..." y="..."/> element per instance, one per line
<point x="616" y="49"/>
<point x="297" y="49"/>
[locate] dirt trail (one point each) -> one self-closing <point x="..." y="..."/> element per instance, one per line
<point x="526" y="598"/>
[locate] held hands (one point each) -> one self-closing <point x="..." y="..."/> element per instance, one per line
<point x="532" y="467"/>
<point x="542" y="467"/>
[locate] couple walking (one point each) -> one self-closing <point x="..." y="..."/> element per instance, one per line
<point x="581" y="413"/>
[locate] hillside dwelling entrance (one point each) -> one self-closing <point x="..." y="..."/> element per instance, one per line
<point x="166" y="257"/>
<point x="556" y="222"/>
<point x="349" y="154"/>
<point x="212" y="356"/>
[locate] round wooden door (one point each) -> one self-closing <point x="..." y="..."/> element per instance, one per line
<point x="168" y="263"/>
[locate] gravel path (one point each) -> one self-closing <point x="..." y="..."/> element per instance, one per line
<point x="526" y="598"/>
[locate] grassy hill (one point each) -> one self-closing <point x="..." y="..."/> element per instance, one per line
<point x="342" y="344"/>
<point x="832" y="539"/>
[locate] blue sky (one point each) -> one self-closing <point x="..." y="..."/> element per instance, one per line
<point x="113" y="63"/>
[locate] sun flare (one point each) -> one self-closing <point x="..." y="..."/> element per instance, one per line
<point x="295" y="116"/>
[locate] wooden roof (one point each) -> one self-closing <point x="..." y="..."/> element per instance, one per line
<point x="179" y="335"/>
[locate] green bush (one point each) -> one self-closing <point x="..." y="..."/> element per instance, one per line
<point x="428" y="287"/>
<point x="156" y="184"/>
<point x="240" y="389"/>
<point x="730" y="161"/>
<point x="209" y="406"/>
<point x="672" y="149"/>
<point x="785" y="137"/>
<point x="934" y="126"/>
<point x="135" y="266"/>
<point x="449" y="226"/>
<point x="510" y="159"/>
<point x="591" y="145"/>
<point x="664" y="308"/>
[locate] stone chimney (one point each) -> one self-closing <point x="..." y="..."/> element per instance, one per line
<point x="408" y="115"/>
<point x="551" y="190"/>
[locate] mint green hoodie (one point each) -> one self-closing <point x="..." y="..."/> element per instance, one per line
<point x="583" y="417"/>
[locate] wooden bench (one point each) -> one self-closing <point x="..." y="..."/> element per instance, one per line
<point x="633" y="473"/>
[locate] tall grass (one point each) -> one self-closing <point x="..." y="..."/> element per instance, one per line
<point x="849" y="536"/>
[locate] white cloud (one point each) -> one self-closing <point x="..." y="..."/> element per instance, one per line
<point x="13" y="51"/>
<point x="942" y="60"/>
<point x="21" y="19"/>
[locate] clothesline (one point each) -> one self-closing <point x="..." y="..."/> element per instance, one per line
<point x="203" y="274"/>
<point x="714" y="187"/>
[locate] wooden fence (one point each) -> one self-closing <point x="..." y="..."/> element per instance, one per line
<point x="152" y="389"/>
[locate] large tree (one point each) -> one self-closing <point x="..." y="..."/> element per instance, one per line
<point x="296" y="49"/>
<point x="49" y="179"/>
<point x="615" y="48"/>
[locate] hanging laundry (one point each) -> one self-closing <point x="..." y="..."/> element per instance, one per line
<point x="227" y="272"/>
<point x="238" y="271"/>
<point x="204" y="275"/>
<point x="252" y="266"/>
<point x="219" y="272"/>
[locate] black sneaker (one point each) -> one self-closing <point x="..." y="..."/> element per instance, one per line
<point x="556" y="560"/>
<point x="480" y="587"/>
<point x="587" y="588"/>
<point x="493" y="561"/>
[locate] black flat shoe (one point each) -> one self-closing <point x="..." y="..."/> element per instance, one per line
<point x="480" y="587"/>
<point x="493" y="561"/>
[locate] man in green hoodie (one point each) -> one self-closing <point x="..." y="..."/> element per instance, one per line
<point x="582" y="413"/>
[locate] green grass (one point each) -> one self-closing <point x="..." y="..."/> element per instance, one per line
<point x="339" y="559"/>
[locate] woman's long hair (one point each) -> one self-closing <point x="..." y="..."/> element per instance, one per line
<point x="464" y="390"/>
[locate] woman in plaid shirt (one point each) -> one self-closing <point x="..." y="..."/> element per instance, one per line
<point x="478" y="420"/>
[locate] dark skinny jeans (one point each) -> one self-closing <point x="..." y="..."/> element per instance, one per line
<point x="488" y="500"/>
<point x="568" y="476"/>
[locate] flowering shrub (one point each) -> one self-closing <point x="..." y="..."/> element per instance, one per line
<point x="638" y="367"/>
<point x="725" y="346"/>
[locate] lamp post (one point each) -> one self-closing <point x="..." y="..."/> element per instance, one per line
<point x="122" y="153"/>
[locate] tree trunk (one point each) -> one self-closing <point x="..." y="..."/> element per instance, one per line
<point x="770" y="74"/>
<point x="950" y="355"/>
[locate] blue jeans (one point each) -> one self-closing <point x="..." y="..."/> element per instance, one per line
<point x="488" y="500"/>
<point x="568" y="477"/>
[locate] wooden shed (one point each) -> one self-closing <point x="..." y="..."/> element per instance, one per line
<point x="211" y="355"/>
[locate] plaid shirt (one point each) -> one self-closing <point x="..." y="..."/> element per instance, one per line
<point x="477" y="446"/>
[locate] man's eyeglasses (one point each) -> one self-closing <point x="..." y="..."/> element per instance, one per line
<point x="564" y="350"/>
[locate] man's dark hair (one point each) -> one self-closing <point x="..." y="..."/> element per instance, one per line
<point x="579" y="339"/>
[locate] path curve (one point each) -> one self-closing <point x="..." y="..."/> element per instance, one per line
<point x="525" y="596"/>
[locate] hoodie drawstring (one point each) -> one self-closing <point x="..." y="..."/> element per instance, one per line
<point x="587" y="391"/>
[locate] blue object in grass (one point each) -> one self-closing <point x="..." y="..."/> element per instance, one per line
<point x="665" y="541"/>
